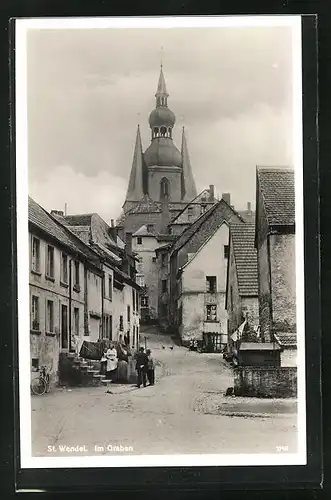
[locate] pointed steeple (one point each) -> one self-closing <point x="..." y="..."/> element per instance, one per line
<point x="161" y="92"/>
<point x="135" y="188"/>
<point x="189" y="190"/>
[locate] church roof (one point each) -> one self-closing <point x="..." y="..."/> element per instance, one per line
<point x="145" y="205"/>
<point x="135" y="187"/>
<point x="161" y="86"/>
<point x="189" y="190"/>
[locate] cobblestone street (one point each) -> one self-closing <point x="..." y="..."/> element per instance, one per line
<point x="185" y="412"/>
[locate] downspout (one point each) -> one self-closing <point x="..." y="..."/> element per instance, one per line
<point x="102" y="304"/>
<point x="70" y="303"/>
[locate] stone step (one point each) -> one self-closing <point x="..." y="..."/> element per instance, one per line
<point x="93" y="372"/>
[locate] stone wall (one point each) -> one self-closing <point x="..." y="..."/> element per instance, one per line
<point x="282" y="261"/>
<point x="265" y="382"/>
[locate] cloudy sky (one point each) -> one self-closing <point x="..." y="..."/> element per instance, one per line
<point x="88" y="89"/>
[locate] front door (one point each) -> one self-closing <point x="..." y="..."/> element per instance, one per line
<point x="64" y="327"/>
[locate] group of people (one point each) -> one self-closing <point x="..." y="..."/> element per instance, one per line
<point x="145" y="366"/>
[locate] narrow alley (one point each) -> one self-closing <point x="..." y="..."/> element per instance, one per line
<point x="185" y="412"/>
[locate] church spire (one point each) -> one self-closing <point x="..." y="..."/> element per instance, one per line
<point x="161" y="92"/>
<point x="188" y="185"/>
<point x="135" y="188"/>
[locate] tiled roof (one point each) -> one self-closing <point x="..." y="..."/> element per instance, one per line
<point x="286" y="339"/>
<point x="145" y="205"/>
<point x="195" y="226"/>
<point x="277" y="189"/>
<point x="50" y="225"/>
<point x="78" y="220"/>
<point x="245" y="254"/>
<point x="196" y="201"/>
<point x="142" y="231"/>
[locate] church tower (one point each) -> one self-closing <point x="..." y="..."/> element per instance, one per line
<point x="162" y="172"/>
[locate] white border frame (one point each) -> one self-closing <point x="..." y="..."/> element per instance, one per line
<point x="22" y="25"/>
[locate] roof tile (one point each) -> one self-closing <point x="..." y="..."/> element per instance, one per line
<point x="277" y="188"/>
<point x="243" y="236"/>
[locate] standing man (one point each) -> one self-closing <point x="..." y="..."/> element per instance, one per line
<point x="141" y="367"/>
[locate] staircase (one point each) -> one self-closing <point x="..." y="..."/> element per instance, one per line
<point x="83" y="373"/>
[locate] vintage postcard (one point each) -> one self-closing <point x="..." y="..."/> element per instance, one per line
<point x="160" y="240"/>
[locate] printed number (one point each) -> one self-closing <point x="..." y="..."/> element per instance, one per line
<point x="282" y="448"/>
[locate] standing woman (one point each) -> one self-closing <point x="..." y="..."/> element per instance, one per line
<point x="112" y="360"/>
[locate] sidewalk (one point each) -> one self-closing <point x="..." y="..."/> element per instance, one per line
<point x="234" y="406"/>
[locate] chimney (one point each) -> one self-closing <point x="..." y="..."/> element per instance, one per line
<point x="128" y="243"/>
<point x="57" y="212"/>
<point x="112" y="223"/>
<point x="227" y="198"/>
<point x="249" y="207"/>
<point x="211" y="192"/>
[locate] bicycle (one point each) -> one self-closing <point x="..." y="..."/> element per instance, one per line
<point x="40" y="385"/>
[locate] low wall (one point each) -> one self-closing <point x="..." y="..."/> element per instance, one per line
<point x="265" y="382"/>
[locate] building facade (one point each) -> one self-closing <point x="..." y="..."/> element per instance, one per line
<point x="76" y="293"/>
<point x="275" y="243"/>
<point x="242" y="279"/>
<point x="201" y="285"/>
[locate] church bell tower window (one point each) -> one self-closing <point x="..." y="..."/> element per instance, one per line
<point x="163" y="131"/>
<point x="164" y="189"/>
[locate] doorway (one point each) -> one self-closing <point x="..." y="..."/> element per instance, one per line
<point x="64" y="327"/>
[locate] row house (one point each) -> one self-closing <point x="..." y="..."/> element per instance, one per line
<point x="242" y="303"/>
<point x="197" y="274"/>
<point x="275" y="244"/>
<point x="121" y="293"/>
<point x="76" y="293"/>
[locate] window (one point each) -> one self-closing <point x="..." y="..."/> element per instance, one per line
<point x="50" y="316"/>
<point x="226" y="251"/>
<point x="76" y="275"/>
<point x="76" y="321"/>
<point x="154" y="259"/>
<point x="139" y="240"/>
<point x="35" y="313"/>
<point x="144" y="301"/>
<point x="35" y="263"/>
<point x="64" y="268"/>
<point x="211" y="312"/>
<point x="190" y="213"/>
<point x="163" y="259"/>
<point x="164" y="310"/>
<point x="140" y="265"/>
<point x="50" y="262"/>
<point x="164" y="189"/>
<point x="110" y="287"/>
<point x="108" y="326"/>
<point x="129" y="314"/>
<point x="35" y="364"/>
<point x="133" y="300"/>
<point x="121" y="323"/>
<point x="140" y="280"/>
<point x="203" y="209"/>
<point x="211" y="284"/>
<point x="150" y="228"/>
<point x="164" y="286"/>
